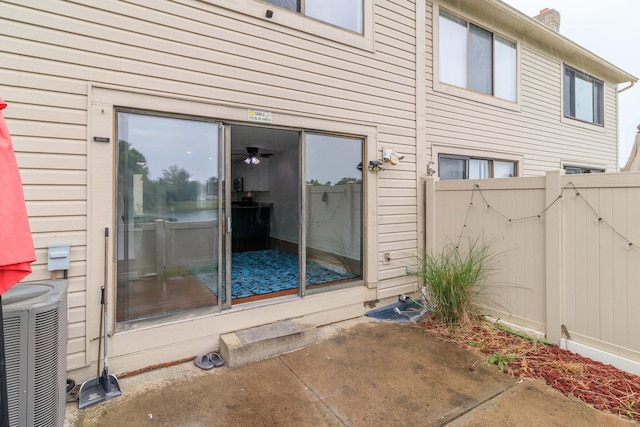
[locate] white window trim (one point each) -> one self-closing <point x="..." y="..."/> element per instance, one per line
<point x="438" y="150"/>
<point x="577" y="122"/>
<point x="448" y="89"/>
<point x="306" y="24"/>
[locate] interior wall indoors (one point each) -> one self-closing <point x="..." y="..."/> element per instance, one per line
<point x="285" y="176"/>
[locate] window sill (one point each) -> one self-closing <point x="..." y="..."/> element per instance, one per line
<point x="475" y="96"/>
<point x="581" y="124"/>
<point x="296" y="21"/>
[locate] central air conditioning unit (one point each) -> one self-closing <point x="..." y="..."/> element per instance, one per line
<point x="35" y="340"/>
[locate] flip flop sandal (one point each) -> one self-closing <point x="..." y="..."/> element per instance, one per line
<point x="203" y="362"/>
<point x="216" y="359"/>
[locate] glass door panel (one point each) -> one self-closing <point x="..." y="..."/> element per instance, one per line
<point x="168" y="192"/>
<point x="264" y="212"/>
<point x="333" y="209"/>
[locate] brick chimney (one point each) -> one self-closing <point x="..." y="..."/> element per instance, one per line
<point x="550" y="18"/>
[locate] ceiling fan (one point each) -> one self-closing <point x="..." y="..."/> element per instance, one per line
<point x="253" y="154"/>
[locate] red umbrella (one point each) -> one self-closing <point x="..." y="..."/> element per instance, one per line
<point x="16" y="249"/>
<point x="16" y="243"/>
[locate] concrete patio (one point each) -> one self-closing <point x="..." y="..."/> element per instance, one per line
<point x="359" y="373"/>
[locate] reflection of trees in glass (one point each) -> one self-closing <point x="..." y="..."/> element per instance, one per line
<point x="153" y="194"/>
<point x="316" y="182"/>
<point x="178" y="185"/>
<point x="132" y="162"/>
<point x="342" y="181"/>
<point x="174" y="186"/>
<point x="346" y="180"/>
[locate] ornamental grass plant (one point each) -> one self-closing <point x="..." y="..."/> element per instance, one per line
<point x="455" y="281"/>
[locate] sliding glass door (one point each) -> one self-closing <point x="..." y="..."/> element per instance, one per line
<point x="265" y="212"/>
<point x="289" y="222"/>
<point x="296" y="212"/>
<point x="170" y="198"/>
<point x="333" y="210"/>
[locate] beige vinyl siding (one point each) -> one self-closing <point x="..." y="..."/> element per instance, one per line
<point x="536" y="129"/>
<point x="397" y="185"/>
<point x="49" y="136"/>
<point x="52" y="52"/>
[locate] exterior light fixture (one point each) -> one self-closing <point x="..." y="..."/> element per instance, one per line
<point x="431" y="169"/>
<point x="391" y="156"/>
<point x="375" y="165"/>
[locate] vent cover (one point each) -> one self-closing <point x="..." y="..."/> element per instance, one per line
<point x="35" y="336"/>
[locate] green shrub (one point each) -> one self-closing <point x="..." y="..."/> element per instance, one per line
<point x="455" y="281"/>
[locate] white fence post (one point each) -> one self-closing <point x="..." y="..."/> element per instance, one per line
<point x="160" y="248"/>
<point x="553" y="256"/>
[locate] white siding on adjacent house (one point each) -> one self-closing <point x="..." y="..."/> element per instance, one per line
<point x="534" y="129"/>
<point x="52" y="52"/>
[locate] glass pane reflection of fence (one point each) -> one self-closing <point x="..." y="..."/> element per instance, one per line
<point x="169" y="266"/>
<point x="334" y="201"/>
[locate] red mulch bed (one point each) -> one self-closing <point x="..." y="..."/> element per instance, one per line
<point x="602" y="386"/>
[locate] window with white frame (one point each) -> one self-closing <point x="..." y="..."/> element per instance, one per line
<point x="583" y="97"/>
<point x="460" y="167"/>
<point x="571" y="170"/>
<point x="473" y="58"/>
<point x="347" y="14"/>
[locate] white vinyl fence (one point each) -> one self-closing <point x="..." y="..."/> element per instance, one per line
<point x="160" y="246"/>
<point x="567" y="247"/>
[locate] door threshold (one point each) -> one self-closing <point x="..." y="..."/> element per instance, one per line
<point x="261" y="297"/>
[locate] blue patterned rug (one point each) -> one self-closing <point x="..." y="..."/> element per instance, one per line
<point x="266" y="271"/>
<point x="271" y="270"/>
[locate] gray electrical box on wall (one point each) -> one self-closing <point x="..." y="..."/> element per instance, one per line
<point x="59" y="257"/>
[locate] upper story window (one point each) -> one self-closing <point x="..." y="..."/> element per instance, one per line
<point x="346" y="14"/>
<point x="461" y="167"/>
<point x="476" y="59"/>
<point x="570" y="170"/>
<point x="583" y="97"/>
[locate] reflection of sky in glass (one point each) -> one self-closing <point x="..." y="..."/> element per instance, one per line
<point x="343" y="13"/>
<point x="164" y="142"/>
<point x="584" y="99"/>
<point x="193" y="145"/>
<point x="288" y="4"/>
<point x="331" y="158"/>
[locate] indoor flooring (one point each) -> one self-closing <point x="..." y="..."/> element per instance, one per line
<point x="254" y="274"/>
<point x="271" y="270"/>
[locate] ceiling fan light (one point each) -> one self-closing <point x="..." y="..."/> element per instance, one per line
<point x="255" y="161"/>
<point x="248" y="160"/>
